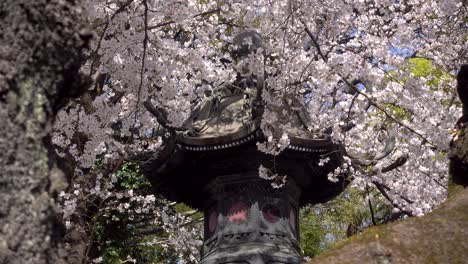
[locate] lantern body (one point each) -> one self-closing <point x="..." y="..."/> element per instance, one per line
<point x="246" y="220"/>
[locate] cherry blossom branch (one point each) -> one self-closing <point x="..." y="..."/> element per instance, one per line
<point x="161" y="116"/>
<point x="142" y="70"/>
<point x="107" y="23"/>
<point x="156" y="230"/>
<point x="206" y="13"/>
<point x="116" y="12"/>
<point x="370" y="206"/>
<point x="98" y="47"/>
<point x="374" y="104"/>
<point x="384" y="191"/>
<point x="365" y="95"/>
<point x="400" y="161"/>
<point x="314" y="41"/>
<point x="436" y="181"/>
<point x="348" y="118"/>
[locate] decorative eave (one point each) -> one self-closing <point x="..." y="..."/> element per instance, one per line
<point x="248" y="134"/>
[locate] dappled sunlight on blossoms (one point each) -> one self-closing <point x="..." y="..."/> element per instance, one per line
<point x="354" y="65"/>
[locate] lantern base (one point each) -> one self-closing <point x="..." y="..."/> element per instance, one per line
<point x="253" y="253"/>
<point x="249" y="221"/>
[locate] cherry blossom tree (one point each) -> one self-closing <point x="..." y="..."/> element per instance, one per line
<point x="378" y="76"/>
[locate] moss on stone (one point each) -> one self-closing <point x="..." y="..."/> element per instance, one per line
<point x="438" y="237"/>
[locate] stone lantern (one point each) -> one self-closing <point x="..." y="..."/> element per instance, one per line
<point x="213" y="165"/>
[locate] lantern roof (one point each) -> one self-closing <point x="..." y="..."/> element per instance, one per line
<point x="220" y="138"/>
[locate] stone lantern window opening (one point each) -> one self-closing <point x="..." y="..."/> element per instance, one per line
<point x="238" y="213"/>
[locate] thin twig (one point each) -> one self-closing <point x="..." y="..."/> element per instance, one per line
<point x="161" y="116"/>
<point x="374" y="104"/>
<point x="142" y="70"/>
<point x="314" y="41"/>
<point x="162" y="24"/>
<point x="95" y="52"/>
<point x="400" y="161"/>
<point x="383" y="191"/>
<point x="371" y="211"/>
<point x="365" y="95"/>
<point x="116" y="12"/>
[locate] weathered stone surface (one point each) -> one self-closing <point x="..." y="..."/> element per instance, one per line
<point x="438" y="237"/>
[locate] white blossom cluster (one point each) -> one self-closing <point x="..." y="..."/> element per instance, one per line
<point x="277" y="181"/>
<point x="155" y="211"/>
<point x="347" y="62"/>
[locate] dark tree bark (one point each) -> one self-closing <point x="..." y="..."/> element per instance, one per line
<point x="40" y="43"/>
<point x="458" y="167"/>
<point x="462" y="90"/>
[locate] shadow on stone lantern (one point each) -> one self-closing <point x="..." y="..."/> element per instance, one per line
<point x="212" y="164"/>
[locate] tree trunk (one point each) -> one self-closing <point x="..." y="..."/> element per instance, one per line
<point x="458" y="173"/>
<point x="40" y="44"/>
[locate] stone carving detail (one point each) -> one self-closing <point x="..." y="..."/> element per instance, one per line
<point x="252" y="213"/>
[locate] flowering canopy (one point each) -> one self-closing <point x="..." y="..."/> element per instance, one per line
<point x="377" y="75"/>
